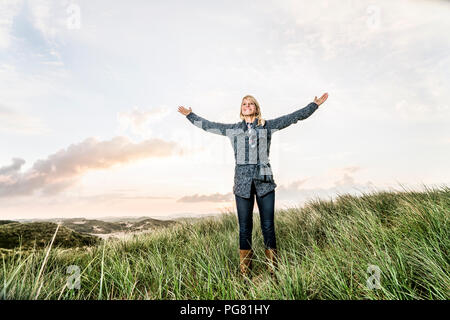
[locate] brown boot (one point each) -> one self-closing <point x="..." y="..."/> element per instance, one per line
<point x="272" y="260"/>
<point x="245" y="261"/>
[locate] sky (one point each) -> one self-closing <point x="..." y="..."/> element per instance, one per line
<point x="89" y="96"/>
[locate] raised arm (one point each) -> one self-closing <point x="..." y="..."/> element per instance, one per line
<point x="291" y="118"/>
<point x="202" y="123"/>
<point x="300" y="114"/>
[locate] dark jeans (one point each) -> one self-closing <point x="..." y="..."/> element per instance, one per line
<point x="266" y="206"/>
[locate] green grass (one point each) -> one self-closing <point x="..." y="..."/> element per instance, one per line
<point x="38" y="234"/>
<point x="325" y="249"/>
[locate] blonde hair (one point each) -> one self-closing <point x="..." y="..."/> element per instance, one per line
<point x="261" y="121"/>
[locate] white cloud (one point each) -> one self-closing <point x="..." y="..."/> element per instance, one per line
<point x="49" y="17"/>
<point x="139" y="121"/>
<point x="342" y="181"/>
<point x="215" y="197"/>
<point x="8" y="10"/>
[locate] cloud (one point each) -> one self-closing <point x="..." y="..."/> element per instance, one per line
<point x="216" y="197"/>
<point x="344" y="182"/>
<point x="296" y="190"/>
<point x="14" y="167"/>
<point x="62" y="169"/>
<point x="299" y="195"/>
<point x="138" y="121"/>
<point x="334" y="28"/>
<point x="345" y="177"/>
<point x="8" y="10"/>
<point x="51" y="18"/>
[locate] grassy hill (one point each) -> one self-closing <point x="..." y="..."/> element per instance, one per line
<point x="96" y="226"/>
<point x="93" y="226"/>
<point x="6" y="221"/>
<point x="104" y="227"/>
<point x="39" y="234"/>
<point x="150" y="223"/>
<point x="326" y="248"/>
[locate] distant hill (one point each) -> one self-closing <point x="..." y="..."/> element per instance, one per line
<point x="150" y="223"/>
<point x="104" y="227"/>
<point x="93" y="226"/>
<point x="101" y="227"/>
<point x="6" y="221"/>
<point x="27" y="235"/>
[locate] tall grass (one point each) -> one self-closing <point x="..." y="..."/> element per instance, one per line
<point x="325" y="249"/>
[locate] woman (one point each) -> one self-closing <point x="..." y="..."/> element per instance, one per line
<point x="253" y="176"/>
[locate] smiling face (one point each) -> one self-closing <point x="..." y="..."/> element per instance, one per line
<point x="248" y="107"/>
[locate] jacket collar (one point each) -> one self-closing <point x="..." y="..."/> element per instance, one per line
<point x="244" y="124"/>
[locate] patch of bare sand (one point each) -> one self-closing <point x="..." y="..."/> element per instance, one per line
<point x="79" y="222"/>
<point x="123" y="235"/>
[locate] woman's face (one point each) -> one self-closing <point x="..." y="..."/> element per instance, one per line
<point x="248" y="107"/>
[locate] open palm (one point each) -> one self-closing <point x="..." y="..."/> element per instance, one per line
<point x="321" y="99"/>
<point x="184" y="111"/>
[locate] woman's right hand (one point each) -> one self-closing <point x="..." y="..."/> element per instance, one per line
<point x="184" y="111"/>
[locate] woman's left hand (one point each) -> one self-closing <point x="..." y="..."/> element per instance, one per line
<point x="321" y="99"/>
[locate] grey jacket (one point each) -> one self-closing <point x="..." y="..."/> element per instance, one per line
<point x="252" y="147"/>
